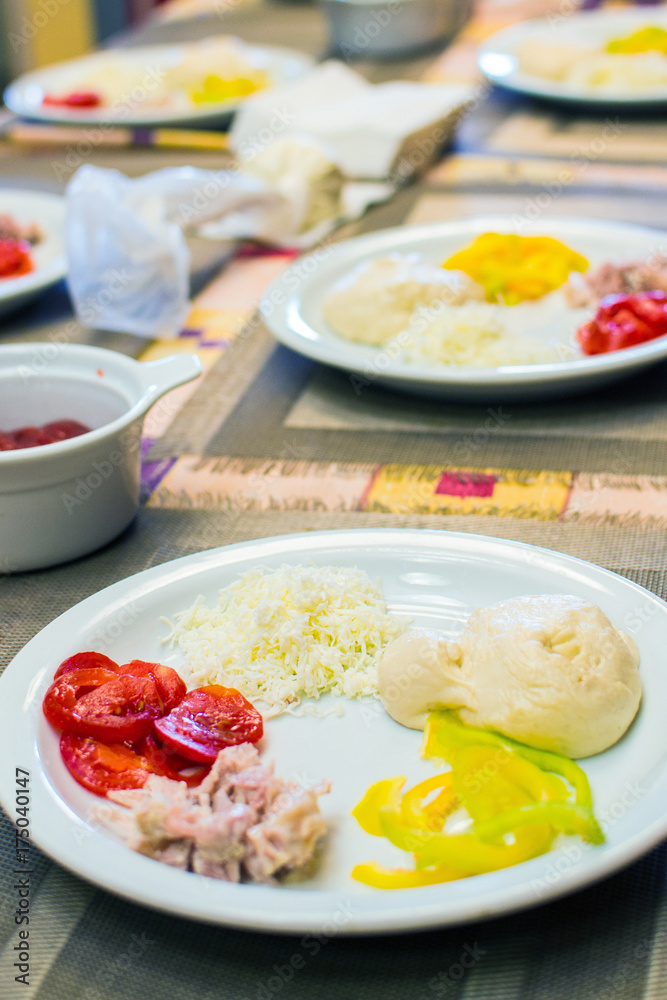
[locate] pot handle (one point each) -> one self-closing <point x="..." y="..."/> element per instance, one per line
<point x="160" y="376"/>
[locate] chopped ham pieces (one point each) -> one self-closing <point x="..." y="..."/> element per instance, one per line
<point x="241" y="824"/>
<point x="616" y="279"/>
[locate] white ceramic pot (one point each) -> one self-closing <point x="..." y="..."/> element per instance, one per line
<point x="392" y="28"/>
<point x="60" y="501"/>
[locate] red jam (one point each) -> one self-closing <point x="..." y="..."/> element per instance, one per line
<point x="77" y="99"/>
<point x="15" y="258"/>
<point x="33" y="437"/>
<point x="624" y="321"/>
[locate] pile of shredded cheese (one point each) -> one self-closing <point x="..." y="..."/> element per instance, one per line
<point x="282" y="635"/>
<point x="470" y="334"/>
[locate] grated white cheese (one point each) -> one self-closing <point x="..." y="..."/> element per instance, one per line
<point x="282" y="635"/>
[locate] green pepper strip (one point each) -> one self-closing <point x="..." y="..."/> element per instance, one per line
<point x="441" y="725"/>
<point x="472" y="853"/>
<point x="566" y="817"/>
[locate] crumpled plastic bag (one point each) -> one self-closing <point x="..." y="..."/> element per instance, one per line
<point x="127" y="255"/>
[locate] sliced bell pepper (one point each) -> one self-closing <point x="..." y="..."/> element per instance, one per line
<point x="382" y="793"/>
<point x="432" y="815"/>
<point x="444" y="733"/>
<point x="464" y="852"/>
<point x="402" y="878"/>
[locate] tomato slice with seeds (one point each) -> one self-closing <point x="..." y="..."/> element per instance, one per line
<point x="61" y="698"/>
<point x="81" y="661"/>
<point x="171" y="687"/>
<point x="101" y="766"/>
<point x="162" y="760"/>
<point x="101" y="703"/>
<point x="209" y="719"/>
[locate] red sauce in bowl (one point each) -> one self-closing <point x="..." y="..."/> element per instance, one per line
<point x="33" y="437"/>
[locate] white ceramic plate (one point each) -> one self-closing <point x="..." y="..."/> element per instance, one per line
<point x="292" y="308"/>
<point x="436" y="578"/>
<point x="498" y="55"/>
<point x="25" y="94"/>
<point x="48" y="211"/>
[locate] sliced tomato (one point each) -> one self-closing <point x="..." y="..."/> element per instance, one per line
<point x="100" y="703"/>
<point x="61" y="698"/>
<point x="171" y="687"/>
<point x="162" y="760"/>
<point x="82" y="661"/>
<point x="209" y="719"/>
<point x="100" y="766"/>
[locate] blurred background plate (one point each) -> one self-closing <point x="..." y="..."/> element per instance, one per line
<point x="25" y="95"/>
<point x="498" y="56"/>
<point x="292" y="309"/>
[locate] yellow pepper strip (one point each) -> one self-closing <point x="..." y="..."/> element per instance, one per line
<point x="383" y="793"/>
<point x="649" y="39"/>
<point x="444" y="734"/>
<point x="501" y="778"/>
<point x="511" y="792"/>
<point x="432" y="815"/>
<point x="512" y="268"/>
<point x="464" y="852"/>
<point x="472" y="853"/>
<point x="402" y="878"/>
<point x="215" y="89"/>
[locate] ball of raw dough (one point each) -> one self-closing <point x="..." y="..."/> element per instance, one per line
<point x="378" y="299"/>
<point x="413" y="673"/>
<point x="551" y="671"/>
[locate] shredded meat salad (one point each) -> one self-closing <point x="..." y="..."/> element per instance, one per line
<point x="241" y="824"/>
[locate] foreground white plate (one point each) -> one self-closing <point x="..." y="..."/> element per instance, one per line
<point x="292" y="308"/>
<point x="25" y="94"/>
<point x="436" y="578"/>
<point x="498" y="56"/>
<point x="48" y="211"/>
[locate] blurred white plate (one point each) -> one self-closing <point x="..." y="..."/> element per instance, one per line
<point x="25" y="94"/>
<point x="292" y="309"/>
<point x="48" y="212"/>
<point x="437" y="579"/>
<point x="498" y="55"/>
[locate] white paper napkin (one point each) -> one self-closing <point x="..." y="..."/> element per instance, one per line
<point x="366" y="126"/>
